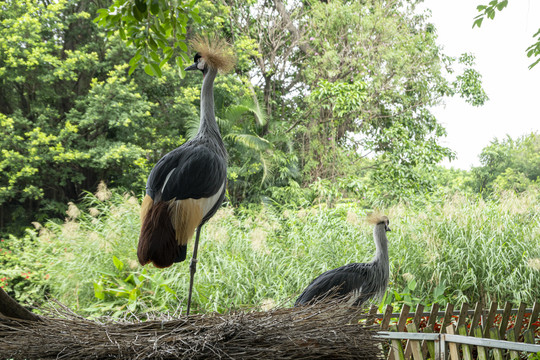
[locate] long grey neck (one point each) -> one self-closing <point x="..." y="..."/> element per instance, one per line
<point x="381" y="243"/>
<point x="208" y="124"/>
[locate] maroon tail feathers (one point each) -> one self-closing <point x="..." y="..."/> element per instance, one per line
<point x="157" y="242"/>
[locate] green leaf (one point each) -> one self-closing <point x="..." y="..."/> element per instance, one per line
<point x="196" y="17"/>
<point x="168" y="289"/>
<point x="141" y="6"/>
<point x="478" y="22"/>
<point x="502" y="5"/>
<point x="134" y="60"/>
<point x="154" y="7"/>
<point x="132" y="69"/>
<point x="149" y="70"/>
<point x="152" y="44"/>
<point x="137" y="13"/>
<point x="534" y="64"/>
<point x="98" y="291"/>
<point x="182" y="46"/>
<point x="155" y="56"/>
<point x="118" y="263"/>
<point x="157" y="69"/>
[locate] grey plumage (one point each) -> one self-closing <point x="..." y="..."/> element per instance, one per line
<point x="365" y="280"/>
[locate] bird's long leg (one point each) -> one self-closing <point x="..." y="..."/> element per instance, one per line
<point x="193" y="268"/>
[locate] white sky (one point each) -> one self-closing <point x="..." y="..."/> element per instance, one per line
<point x="514" y="90"/>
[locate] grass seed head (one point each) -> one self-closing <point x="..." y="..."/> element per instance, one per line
<point x="103" y="193"/>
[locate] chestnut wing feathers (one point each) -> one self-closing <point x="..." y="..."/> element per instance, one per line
<point x="191" y="171"/>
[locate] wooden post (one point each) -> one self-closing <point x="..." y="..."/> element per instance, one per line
<point x="370" y="320"/>
<point x="454" y="350"/>
<point x="519" y="319"/>
<point x="494" y="334"/>
<point x="413" y="345"/>
<point x="467" y="354"/>
<point x="534" y="316"/>
<point x="386" y="317"/>
<point x="478" y="310"/>
<point x="400" y="327"/>
<point x="481" y="350"/>
<point x="505" y="317"/>
<point x="429" y="346"/>
<point x="490" y="318"/>
<point x="447" y="317"/>
<point x="396" y="350"/>
<point x="511" y="336"/>
<point x="416" y="322"/>
<point x="463" y="314"/>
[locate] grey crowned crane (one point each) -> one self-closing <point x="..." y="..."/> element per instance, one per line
<point x="187" y="186"/>
<point x="365" y="280"/>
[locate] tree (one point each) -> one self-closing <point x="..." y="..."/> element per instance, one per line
<point x="509" y="164"/>
<point x="157" y="30"/>
<point x="72" y="117"/>
<point x="344" y="92"/>
<point x="365" y="89"/>
<point x="489" y="11"/>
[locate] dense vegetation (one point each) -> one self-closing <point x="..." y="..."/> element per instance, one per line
<point x="461" y="249"/>
<point x="344" y="97"/>
<point x="323" y="123"/>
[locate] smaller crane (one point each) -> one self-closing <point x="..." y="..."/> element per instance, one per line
<point x="187" y="186"/>
<point x="365" y="280"/>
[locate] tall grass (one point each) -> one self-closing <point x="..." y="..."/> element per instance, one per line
<point x="461" y="250"/>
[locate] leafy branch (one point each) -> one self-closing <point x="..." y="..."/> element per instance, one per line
<point x="156" y="28"/>
<point x="490" y="10"/>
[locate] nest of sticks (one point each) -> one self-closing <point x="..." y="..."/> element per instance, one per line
<point x="326" y="330"/>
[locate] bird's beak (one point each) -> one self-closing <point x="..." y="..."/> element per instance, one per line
<point x="388" y="228"/>
<point x="191" y="67"/>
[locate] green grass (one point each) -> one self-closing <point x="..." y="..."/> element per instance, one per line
<point x="460" y="250"/>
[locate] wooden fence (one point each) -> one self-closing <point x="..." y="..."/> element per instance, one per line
<point x="467" y="333"/>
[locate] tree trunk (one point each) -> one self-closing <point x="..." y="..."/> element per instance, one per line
<point x="12" y="309"/>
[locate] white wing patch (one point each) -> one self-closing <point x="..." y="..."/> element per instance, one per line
<point x="167" y="179"/>
<point x="208" y="203"/>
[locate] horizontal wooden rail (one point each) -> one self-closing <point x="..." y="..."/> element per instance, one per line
<point x="454" y="334"/>
<point x="460" y="339"/>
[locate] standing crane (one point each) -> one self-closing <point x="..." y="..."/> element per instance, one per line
<point x="365" y="280"/>
<point x="187" y="186"/>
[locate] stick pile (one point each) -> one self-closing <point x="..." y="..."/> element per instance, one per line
<point x="325" y="330"/>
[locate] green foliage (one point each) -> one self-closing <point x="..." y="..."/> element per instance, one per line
<point x="340" y="97"/>
<point x="469" y="83"/>
<point x="347" y="97"/>
<point x="372" y="94"/>
<point x="22" y="276"/>
<point x="156" y="28"/>
<point x="460" y="250"/>
<point x="509" y="164"/>
<point x="123" y="290"/>
<point x="71" y="115"/>
<point x="490" y="10"/>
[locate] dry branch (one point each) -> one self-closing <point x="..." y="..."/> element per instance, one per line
<point x="11" y="308"/>
<point x="321" y="331"/>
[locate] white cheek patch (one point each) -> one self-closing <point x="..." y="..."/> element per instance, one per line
<point x="200" y="64"/>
